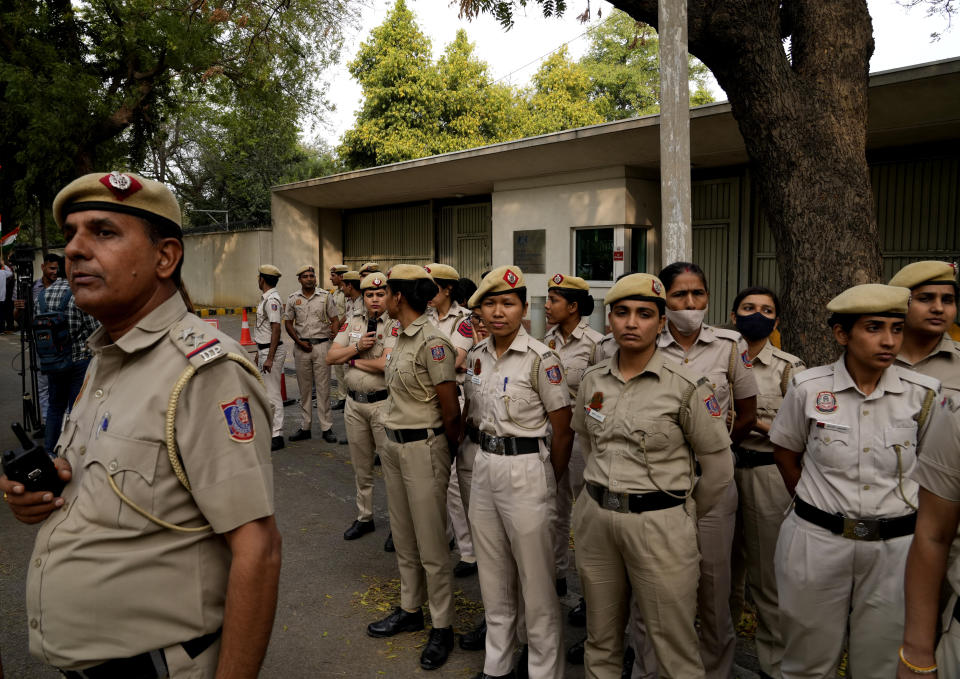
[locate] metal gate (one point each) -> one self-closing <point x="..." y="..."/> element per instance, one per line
<point x="463" y="238"/>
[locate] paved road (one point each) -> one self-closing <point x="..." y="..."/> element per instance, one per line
<point x="330" y="589"/>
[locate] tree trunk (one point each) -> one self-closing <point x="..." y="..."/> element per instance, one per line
<point x="803" y="117"/>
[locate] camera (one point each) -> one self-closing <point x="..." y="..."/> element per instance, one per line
<point x="31" y="466"/>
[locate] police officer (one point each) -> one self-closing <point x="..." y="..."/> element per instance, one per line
<point x="336" y="279"/>
<point x="422" y="423"/>
<point x="643" y="419"/>
<point x="453" y="321"/>
<point x="368" y="268"/>
<point x="270" y="350"/>
<point x="928" y="562"/>
<point x="309" y="316"/>
<point x="145" y="568"/>
<point x="846" y="442"/>
<point x="351" y="293"/>
<point x="927" y="346"/>
<point x="516" y="391"/>
<point x="763" y="497"/>
<point x="364" y="344"/>
<point x="568" y="308"/>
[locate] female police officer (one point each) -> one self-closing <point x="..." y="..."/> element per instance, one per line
<point x="422" y="422"/>
<point x="846" y="442"/>
<point x="643" y="419"/>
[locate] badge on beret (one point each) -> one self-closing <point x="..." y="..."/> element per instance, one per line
<point x="427" y="269"/>
<point x="552" y="344"/>
<point x="657" y="288"/>
<point x="239" y="419"/>
<point x="511" y="278"/>
<point x="712" y="406"/>
<point x="377" y="282"/>
<point x="438" y="353"/>
<point x="746" y="360"/>
<point x="121" y="185"/>
<point x="826" y="402"/>
<point x="465" y="329"/>
<point x="558" y="278"/>
<point x="554" y="374"/>
<point x="596" y="401"/>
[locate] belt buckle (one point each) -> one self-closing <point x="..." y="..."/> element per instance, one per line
<point x="860" y="529"/>
<point x="496" y="442"/>
<point x="361" y="398"/>
<point x="616" y="502"/>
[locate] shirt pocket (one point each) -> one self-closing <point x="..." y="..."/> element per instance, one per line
<point x="721" y="388"/>
<point x="655" y="440"/>
<point x="523" y="407"/>
<point x="768" y="406"/>
<point x="900" y="450"/>
<point x="831" y="449"/>
<point x="132" y="464"/>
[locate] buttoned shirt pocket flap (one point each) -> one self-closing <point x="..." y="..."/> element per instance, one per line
<point x="903" y="437"/>
<point x="831" y="448"/>
<point x="62" y="446"/>
<point x="768" y="405"/>
<point x="132" y="463"/>
<point x="656" y="438"/>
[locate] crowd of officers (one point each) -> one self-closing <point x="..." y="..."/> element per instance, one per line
<point x="690" y="461"/>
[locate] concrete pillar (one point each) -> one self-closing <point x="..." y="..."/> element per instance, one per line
<point x="677" y="242"/>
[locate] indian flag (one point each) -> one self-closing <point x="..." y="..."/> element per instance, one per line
<point x="10" y="237"/>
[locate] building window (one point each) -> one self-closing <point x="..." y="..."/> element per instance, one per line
<point x="594" y="254"/>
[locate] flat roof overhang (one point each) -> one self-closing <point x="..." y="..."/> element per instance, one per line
<point x="915" y="105"/>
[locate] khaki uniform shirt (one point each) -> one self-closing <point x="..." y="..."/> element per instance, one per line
<point x="938" y="469"/>
<point x="105" y="582"/>
<point x="607" y="347"/>
<point x="455" y="324"/>
<point x="511" y="395"/>
<point x="270" y="310"/>
<point x="311" y="315"/>
<point x="859" y="451"/>
<point x="340" y="300"/>
<point x="578" y="353"/>
<point x="642" y="433"/>
<point x="943" y="364"/>
<point x="422" y="358"/>
<point x="352" y="332"/>
<point x="350" y="305"/>
<point x="772" y="368"/>
<point x="713" y="354"/>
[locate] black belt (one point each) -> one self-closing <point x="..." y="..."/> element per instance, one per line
<point x="315" y="340"/>
<point x="150" y="665"/>
<point x="473" y="434"/>
<point x="372" y="397"/>
<point x="633" y="503"/>
<point x="267" y="345"/>
<point x="856" y="529"/>
<point x="411" y="435"/>
<point x="508" y="445"/>
<point x="748" y="459"/>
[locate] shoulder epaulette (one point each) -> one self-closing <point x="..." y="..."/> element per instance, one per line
<point x="727" y="334"/>
<point x="794" y="361"/>
<point x="918" y="378"/>
<point x="693" y="379"/>
<point x="195" y="339"/>
<point x="813" y="373"/>
<point x="594" y="368"/>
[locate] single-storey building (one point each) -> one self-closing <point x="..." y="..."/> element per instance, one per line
<point x="587" y="201"/>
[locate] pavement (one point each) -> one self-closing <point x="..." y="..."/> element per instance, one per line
<point x="329" y="589"/>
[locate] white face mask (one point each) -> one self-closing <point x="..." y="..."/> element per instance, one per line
<point x="687" y="321"/>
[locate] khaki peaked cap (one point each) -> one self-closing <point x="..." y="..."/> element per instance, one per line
<point x="369" y="267"/>
<point x="408" y="272"/>
<point x="373" y="281"/>
<point x="269" y="270"/>
<point x="339" y="268"/>
<point x="560" y="280"/>
<point x="351" y="276"/>
<point x="305" y="268"/>
<point x="442" y="271"/>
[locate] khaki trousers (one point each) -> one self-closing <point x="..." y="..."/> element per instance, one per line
<point x="512" y="502"/>
<point x="416" y="477"/>
<point x="568" y="487"/>
<point x="764" y="502"/>
<point x="655" y="555"/>
<point x="948" y="650"/>
<point x="365" y="436"/>
<point x="272" y="383"/>
<point x="312" y="370"/>
<point x="456" y="508"/>
<point x="340" y="371"/>
<point x="828" y="585"/>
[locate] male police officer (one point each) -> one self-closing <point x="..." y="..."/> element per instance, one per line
<point x="270" y="350"/>
<point x="340" y="299"/>
<point x="146" y="568"/>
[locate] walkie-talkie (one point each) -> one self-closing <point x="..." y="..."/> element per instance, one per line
<point x="371" y="325"/>
<point x="31" y="465"/>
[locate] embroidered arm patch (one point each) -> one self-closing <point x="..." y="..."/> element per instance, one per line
<point x="239" y="419"/>
<point x="438" y="353"/>
<point x="465" y="329"/>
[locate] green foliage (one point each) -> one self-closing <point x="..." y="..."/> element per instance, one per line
<point x="558" y="99"/>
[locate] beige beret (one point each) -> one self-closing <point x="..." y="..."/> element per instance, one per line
<point x="306" y="267"/>
<point x="351" y="275"/>
<point x="872" y="298"/>
<point x="500" y="280"/>
<point x="373" y="281"/>
<point x="559" y="280"/>
<point x="270" y="270"/>
<point x="407" y="272"/>
<point x="636" y="285"/>
<point x="339" y="268"/>
<point x="924" y="273"/>
<point x="369" y="267"/>
<point x="122" y="192"/>
<point x="447" y="273"/>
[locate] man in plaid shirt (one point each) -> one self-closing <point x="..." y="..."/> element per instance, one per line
<point x="65" y="384"/>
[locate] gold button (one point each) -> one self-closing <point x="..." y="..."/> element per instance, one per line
<point x="33" y="623"/>
<point x="686" y="360"/>
<point x="38" y="563"/>
<point x="866" y="487"/>
<point x="83" y="450"/>
<point x="827" y="439"/>
<point x="866" y="412"/>
<point x="866" y="450"/>
<point x="113" y="466"/>
<point x="98" y="393"/>
<point x="906" y="443"/>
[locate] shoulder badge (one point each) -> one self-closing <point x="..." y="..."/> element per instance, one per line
<point x="396" y="331"/>
<point x="826" y="402"/>
<point x="343" y="327"/>
<point x="745" y="357"/>
<point x="465" y="329"/>
<point x="552" y="343"/>
<point x="554" y="374"/>
<point x="438" y="353"/>
<point x="596" y="401"/>
<point x="239" y="419"/>
<point x="712" y="406"/>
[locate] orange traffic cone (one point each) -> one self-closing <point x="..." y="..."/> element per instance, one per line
<point x="245" y="338"/>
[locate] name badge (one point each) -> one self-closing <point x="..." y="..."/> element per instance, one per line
<point x="833" y="427"/>
<point x="469" y="372"/>
<point x="595" y="414"/>
<point x="356" y="335"/>
<point x="475" y="379"/>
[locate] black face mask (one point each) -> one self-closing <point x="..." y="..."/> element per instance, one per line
<point x="755" y="326"/>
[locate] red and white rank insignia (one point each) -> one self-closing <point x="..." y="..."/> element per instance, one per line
<point x="511" y="278"/>
<point x="465" y="329"/>
<point x="826" y="402"/>
<point x="239" y="419"/>
<point x="121" y="185"/>
<point x="657" y="288"/>
<point x="558" y="278"/>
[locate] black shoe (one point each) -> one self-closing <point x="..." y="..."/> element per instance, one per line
<point x="338" y="405"/>
<point x="376" y="461"/>
<point x="388" y="545"/>
<point x="578" y="614"/>
<point x="359" y="529"/>
<point x="498" y="676"/>
<point x="438" y="648"/>
<point x="521" y="670"/>
<point x="301" y="435"/>
<point x="276" y="443"/>
<point x="561" y="585"/>
<point x="329" y="436"/>
<point x="396" y="622"/>
<point x="475" y="639"/>
<point x="628" y="657"/>
<point x="464" y="569"/>
<point x="575" y="652"/>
